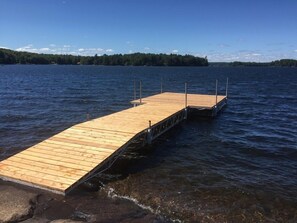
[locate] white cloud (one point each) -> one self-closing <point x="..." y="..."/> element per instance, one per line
<point x="199" y="55"/>
<point x="3" y="47"/>
<point x="29" y="46"/>
<point x="73" y="53"/>
<point x="25" y="48"/>
<point x="174" y="51"/>
<point x="65" y="49"/>
<point x="92" y="51"/>
<point x="295" y="51"/>
<point x="44" y="49"/>
<point x="146" y="48"/>
<point x="242" y="55"/>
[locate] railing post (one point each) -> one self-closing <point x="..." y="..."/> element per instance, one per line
<point x="149" y="133"/>
<point x="216" y="92"/>
<point x="140" y="92"/>
<point x="134" y="104"/>
<point x="134" y="89"/>
<point x="227" y="83"/>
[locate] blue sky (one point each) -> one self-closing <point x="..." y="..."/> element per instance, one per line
<point x="222" y="30"/>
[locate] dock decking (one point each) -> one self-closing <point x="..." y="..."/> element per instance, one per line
<point x="68" y="158"/>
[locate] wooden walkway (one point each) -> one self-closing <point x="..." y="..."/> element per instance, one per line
<point x="67" y="159"/>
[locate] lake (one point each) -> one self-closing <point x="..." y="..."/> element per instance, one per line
<point x="238" y="167"/>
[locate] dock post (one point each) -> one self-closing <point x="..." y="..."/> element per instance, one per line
<point x="216" y="92"/>
<point x="186" y="94"/>
<point x="186" y="100"/>
<point x="215" y="110"/>
<point x="149" y="133"/>
<point x="140" y="92"/>
<point x="227" y="83"/>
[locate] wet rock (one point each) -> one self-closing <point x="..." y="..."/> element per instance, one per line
<point x="15" y="204"/>
<point x="79" y="215"/>
<point x="92" y="185"/>
<point x="36" y="220"/>
<point x="56" y="209"/>
<point x="65" y="221"/>
<point x="80" y="206"/>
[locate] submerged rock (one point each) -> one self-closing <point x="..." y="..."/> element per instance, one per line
<point x="83" y="216"/>
<point x="15" y="204"/>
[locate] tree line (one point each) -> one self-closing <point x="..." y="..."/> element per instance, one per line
<point x="285" y="63"/>
<point x="276" y="63"/>
<point x="135" y="59"/>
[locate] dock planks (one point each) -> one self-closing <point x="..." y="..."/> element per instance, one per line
<point x="64" y="160"/>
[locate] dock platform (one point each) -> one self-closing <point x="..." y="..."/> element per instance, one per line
<point x="69" y="158"/>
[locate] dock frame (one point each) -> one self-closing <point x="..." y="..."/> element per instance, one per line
<point x="75" y="155"/>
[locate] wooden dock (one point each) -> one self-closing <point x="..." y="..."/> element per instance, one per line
<point x="70" y="157"/>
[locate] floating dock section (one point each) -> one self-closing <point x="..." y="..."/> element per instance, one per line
<point x="69" y="158"/>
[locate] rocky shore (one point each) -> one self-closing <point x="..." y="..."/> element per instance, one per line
<point x="27" y="205"/>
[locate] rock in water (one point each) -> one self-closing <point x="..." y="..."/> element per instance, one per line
<point x="16" y="205"/>
<point x="65" y="221"/>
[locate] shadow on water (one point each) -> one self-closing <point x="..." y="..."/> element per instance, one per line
<point x="210" y="181"/>
<point x="136" y="158"/>
<point x="140" y="161"/>
<point x="140" y="156"/>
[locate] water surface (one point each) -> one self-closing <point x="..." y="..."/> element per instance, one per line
<point x="239" y="167"/>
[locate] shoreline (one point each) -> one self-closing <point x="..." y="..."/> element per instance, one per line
<point x="23" y="204"/>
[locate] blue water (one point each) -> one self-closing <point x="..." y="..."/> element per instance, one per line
<point x="239" y="167"/>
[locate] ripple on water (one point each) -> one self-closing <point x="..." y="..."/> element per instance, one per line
<point x="239" y="167"/>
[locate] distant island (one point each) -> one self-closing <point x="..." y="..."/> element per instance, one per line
<point x="136" y="59"/>
<point x="276" y="63"/>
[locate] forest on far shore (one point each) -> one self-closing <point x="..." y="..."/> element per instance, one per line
<point x="136" y="59"/>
